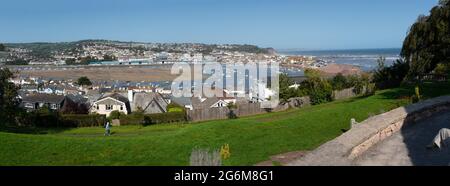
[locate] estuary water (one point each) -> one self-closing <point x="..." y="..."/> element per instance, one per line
<point x="366" y="59"/>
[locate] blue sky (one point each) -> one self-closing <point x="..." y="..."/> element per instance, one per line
<point x="283" y="24"/>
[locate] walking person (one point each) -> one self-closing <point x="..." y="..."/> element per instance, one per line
<point x="108" y="129"/>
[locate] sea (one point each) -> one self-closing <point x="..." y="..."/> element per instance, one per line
<point x="366" y="59"/>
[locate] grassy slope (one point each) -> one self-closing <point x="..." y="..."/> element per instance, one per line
<point x="251" y="139"/>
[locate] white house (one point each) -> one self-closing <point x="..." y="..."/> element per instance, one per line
<point x="110" y="103"/>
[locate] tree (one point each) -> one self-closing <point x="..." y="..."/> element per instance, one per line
<point x="285" y="91"/>
<point x="390" y="77"/>
<point x="17" y="62"/>
<point x="9" y="101"/>
<point x="109" y="58"/>
<point x="318" y="89"/>
<point x="2" y="47"/>
<point x="428" y="41"/>
<point x="312" y="73"/>
<point x="116" y="115"/>
<point x="173" y="107"/>
<point x="82" y="81"/>
<point x="339" y="82"/>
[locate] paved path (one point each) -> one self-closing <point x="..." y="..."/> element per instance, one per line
<point x="408" y="146"/>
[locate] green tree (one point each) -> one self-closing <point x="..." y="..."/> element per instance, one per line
<point x="442" y="69"/>
<point x="116" y="115"/>
<point x="173" y="107"/>
<point x="428" y="41"/>
<point x="339" y="82"/>
<point x="109" y="58"/>
<point x="17" y="62"/>
<point x="319" y="90"/>
<point x="2" y="47"/>
<point x="312" y="73"/>
<point x="82" y="81"/>
<point x="393" y="76"/>
<point x="285" y="91"/>
<point x="9" y="102"/>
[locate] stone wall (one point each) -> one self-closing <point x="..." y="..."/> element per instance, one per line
<point x="345" y="148"/>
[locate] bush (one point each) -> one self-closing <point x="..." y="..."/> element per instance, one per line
<point x="44" y="120"/>
<point x="168" y="117"/>
<point x="340" y="82"/>
<point x="319" y="90"/>
<point x="150" y="119"/>
<point x="116" y="115"/>
<point x="173" y="107"/>
<point x="132" y="119"/>
<point x="390" y="77"/>
<point x="54" y="119"/>
<point x="73" y="120"/>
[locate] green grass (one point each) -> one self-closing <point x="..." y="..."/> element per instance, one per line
<point x="251" y="139"/>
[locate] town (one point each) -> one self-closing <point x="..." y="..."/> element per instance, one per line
<point x="104" y="96"/>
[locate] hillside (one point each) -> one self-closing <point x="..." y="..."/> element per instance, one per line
<point x="251" y="139"/>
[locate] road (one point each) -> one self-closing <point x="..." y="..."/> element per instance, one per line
<point x="408" y="146"/>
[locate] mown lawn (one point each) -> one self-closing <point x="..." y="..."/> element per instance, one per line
<point x="251" y="139"/>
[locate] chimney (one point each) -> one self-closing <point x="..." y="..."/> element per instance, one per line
<point x="130" y="96"/>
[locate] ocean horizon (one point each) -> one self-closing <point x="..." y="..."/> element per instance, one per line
<point x="366" y="59"/>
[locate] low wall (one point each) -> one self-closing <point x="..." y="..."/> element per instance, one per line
<point x="345" y="148"/>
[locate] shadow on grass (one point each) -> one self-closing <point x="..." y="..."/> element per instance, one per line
<point x="32" y="130"/>
<point x="427" y="90"/>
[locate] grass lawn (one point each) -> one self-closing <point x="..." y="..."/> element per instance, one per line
<point x="251" y="139"/>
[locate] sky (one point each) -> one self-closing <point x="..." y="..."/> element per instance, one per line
<point x="282" y="24"/>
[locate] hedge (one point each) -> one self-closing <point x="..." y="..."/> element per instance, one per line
<point x="83" y="120"/>
<point x="57" y="120"/>
<point x="149" y="119"/>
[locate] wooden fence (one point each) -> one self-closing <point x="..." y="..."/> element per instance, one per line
<point x="245" y="109"/>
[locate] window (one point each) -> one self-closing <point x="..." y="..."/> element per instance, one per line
<point x="29" y="105"/>
<point x="109" y="107"/>
<point x="121" y="107"/>
<point x="98" y="107"/>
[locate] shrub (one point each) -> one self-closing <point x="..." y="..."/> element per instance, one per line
<point x="54" y="119"/>
<point x="319" y="90"/>
<point x="132" y="119"/>
<point x="149" y="119"/>
<point x="225" y="152"/>
<point x="73" y="120"/>
<point x="173" y="107"/>
<point x="42" y="119"/>
<point x="168" y="117"/>
<point x="416" y="97"/>
<point x="116" y="115"/>
<point x="390" y="77"/>
<point x="340" y="82"/>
